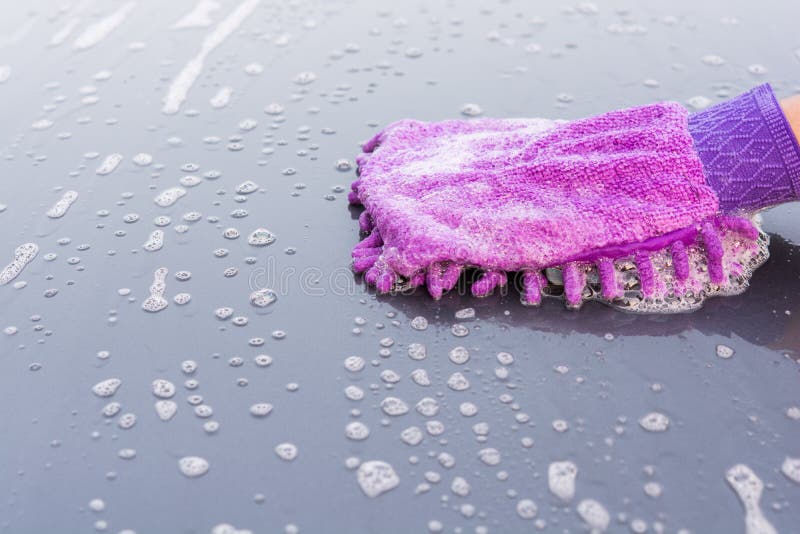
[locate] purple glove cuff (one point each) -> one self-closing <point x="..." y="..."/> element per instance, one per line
<point x="750" y="155"/>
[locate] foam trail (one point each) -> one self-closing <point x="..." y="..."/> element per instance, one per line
<point x="23" y="255"/>
<point x="168" y="197"/>
<point x="5" y="73"/>
<point x="221" y="99"/>
<point x="748" y="488"/>
<point x="60" y="208"/>
<point x="66" y="30"/>
<point x="199" y="16"/>
<point x="61" y="35"/>
<point x="154" y="242"/>
<point x="109" y="164"/>
<point x="20" y="34"/>
<point x="180" y="86"/>
<point x="156" y="301"/>
<point x="101" y="29"/>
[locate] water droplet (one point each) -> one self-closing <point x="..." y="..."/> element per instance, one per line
<point x="527" y="509"/>
<point x="107" y="387"/>
<point x="594" y="515"/>
<point x="286" y="451"/>
<point x="725" y="352"/>
<point x="394" y="406"/>
<point x="471" y="110"/>
<point x="305" y="78"/>
<point x="419" y="323"/>
<point x="193" y="466"/>
<point x="261" y="409"/>
<point x="163" y="388"/>
<point x="654" y="422"/>
<point x="356" y="431"/>
<point x="262" y="298"/>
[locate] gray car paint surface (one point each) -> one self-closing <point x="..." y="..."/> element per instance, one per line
<point x="597" y="370"/>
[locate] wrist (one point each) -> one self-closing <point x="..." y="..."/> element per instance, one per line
<point x="791" y="108"/>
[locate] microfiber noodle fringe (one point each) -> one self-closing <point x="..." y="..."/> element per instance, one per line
<point x="440" y="277"/>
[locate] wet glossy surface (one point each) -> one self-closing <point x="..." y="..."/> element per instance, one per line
<point x="577" y="387"/>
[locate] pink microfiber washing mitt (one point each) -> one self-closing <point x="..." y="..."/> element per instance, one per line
<point x="624" y="204"/>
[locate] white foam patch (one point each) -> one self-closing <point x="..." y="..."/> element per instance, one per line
<point x="101" y="29"/>
<point x="179" y="89"/>
<point x="23" y="255"/>
<point x="60" y="208"/>
<point x="749" y="488"/>
<point x="5" y="73"/>
<point x="199" y="16"/>
<point x="561" y="479"/>
<point x="453" y="154"/>
<point x="376" y="477"/>
<point x="741" y="259"/>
